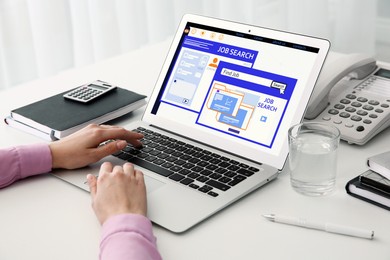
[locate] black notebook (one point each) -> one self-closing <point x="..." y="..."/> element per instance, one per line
<point x="57" y="117"/>
<point x="371" y="187"/>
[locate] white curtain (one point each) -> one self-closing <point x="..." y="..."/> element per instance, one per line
<point x="39" y="38"/>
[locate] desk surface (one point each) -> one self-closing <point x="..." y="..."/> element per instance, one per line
<point x="45" y="218"/>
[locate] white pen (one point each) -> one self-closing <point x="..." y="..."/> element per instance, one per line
<point x="328" y="227"/>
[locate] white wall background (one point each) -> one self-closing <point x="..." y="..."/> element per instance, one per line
<point x="39" y="38"/>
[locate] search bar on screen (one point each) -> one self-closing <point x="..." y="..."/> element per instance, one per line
<point x="253" y="79"/>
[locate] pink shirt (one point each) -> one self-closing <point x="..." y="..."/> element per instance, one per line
<point x="127" y="236"/>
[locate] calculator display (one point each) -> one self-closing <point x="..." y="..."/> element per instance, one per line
<point x="98" y="87"/>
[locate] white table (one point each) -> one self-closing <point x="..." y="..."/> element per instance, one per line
<point x="46" y="218"/>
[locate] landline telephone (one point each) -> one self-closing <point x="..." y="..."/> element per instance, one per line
<point x="353" y="94"/>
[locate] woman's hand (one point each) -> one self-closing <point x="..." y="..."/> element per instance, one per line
<point x="117" y="190"/>
<point x="82" y="147"/>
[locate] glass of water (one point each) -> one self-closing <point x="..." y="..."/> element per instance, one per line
<point x="313" y="157"/>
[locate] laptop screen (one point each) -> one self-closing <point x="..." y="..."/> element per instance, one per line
<point x="236" y="87"/>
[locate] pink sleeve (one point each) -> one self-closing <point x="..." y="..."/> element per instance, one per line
<point x="23" y="161"/>
<point x="128" y="236"/>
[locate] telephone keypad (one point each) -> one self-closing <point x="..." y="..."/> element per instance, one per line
<point x="362" y="109"/>
<point x="355" y="109"/>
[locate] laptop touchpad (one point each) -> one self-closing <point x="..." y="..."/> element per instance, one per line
<point x="152" y="184"/>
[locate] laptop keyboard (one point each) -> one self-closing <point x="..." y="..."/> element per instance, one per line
<point x="187" y="164"/>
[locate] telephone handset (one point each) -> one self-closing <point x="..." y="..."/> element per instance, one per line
<point x="334" y="69"/>
<point x="361" y="109"/>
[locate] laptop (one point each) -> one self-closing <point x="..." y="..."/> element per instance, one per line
<point x="223" y="103"/>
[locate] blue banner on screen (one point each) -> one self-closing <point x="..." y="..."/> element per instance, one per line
<point x="220" y="49"/>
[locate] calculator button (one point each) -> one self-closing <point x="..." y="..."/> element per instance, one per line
<point x="384" y="105"/>
<point x="337" y="122"/>
<point x="349" y="125"/>
<point x="378" y="110"/>
<point x="350" y="109"/>
<point x="362" y="99"/>
<point x="367" y="121"/>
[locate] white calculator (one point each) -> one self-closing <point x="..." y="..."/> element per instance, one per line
<point x="88" y="92"/>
